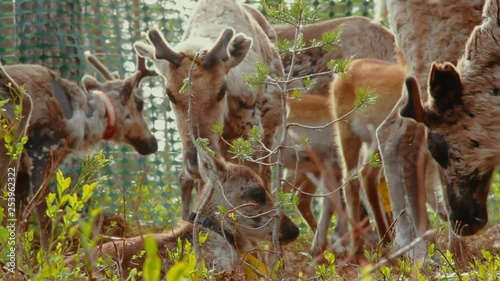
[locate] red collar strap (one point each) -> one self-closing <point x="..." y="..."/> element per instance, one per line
<point x="111" y="114"/>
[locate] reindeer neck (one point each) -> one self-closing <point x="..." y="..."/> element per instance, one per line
<point x="97" y="123"/>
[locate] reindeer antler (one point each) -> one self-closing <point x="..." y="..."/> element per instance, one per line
<point x="141" y="71"/>
<point x="141" y="66"/>
<point x="103" y="70"/>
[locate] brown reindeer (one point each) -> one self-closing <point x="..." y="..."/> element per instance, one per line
<point x="425" y="31"/>
<point x="222" y="41"/>
<point x="239" y="190"/>
<point x="461" y="116"/>
<point x="67" y="119"/>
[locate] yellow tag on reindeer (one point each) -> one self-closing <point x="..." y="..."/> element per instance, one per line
<point x="383" y="189"/>
<point x="254" y="268"/>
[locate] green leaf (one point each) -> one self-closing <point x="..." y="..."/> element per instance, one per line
<point x="330" y="257"/>
<point x="375" y="160"/>
<point x="62" y="182"/>
<point x="241" y="148"/>
<point x="3" y="102"/>
<point x="218" y="128"/>
<point x="295" y="94"/>
<point x="185" y="84"/>
<point x="180" y="271"/>
<point x="221" y="209"/>
<point x="204" y="144"/>
<point x="258" y="77"/>
<point x="152" y="263"/>
<point x="364" y="98"/>
<point x="254" y="135"/>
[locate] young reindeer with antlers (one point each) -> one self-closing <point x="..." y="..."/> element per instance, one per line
<point x="212" y="57"/>
<point x="462" y="118"/>
<point x="235" y="187"/>
<point x="67" y="119"/>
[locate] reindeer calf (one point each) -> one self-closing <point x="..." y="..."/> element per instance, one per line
<point x="66" y="119"/>
<point x="239" y="190"/>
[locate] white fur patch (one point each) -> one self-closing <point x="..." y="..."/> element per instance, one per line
<point x="76" y="125"/>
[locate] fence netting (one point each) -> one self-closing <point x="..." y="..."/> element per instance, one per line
<point x="57" y="33"/>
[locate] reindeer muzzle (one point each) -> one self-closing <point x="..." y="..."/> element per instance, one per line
<point x="288" y="230"/>
<point x="144" y="146"/>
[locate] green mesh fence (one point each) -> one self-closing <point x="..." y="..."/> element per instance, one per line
<point x="57" y="33"/>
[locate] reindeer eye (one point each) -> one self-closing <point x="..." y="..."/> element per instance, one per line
<point x="258" y="194"/>
<point x="127" y="116"/>
<point x="438" y="147"/>
<point x="495" y="92"/>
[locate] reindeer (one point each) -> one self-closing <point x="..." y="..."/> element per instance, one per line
<point x="461" y="117"/>
<point x="213" y="58"/>
<point x="238" y="189"/>
<point x="425" y="31"/>
<point x="67" y="119"/>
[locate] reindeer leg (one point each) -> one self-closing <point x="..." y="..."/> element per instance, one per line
<point x="186" y="184"/>
<point x="350" y="146"/>
<point x="37" y="182"/>
<point x="305" y="201"/>
<point x="369" y="177"/>
<point x="415" y="151"/>
<point x="39" y="149"/>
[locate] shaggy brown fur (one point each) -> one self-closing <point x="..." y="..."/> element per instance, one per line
<point x="361" y="38"/>
<point x="238" y="189"/>
<point x="358" y="128"/>
<point x="462" y="120"/>
<point x="216" y="57"/>
<point x="66" y="119"/>
<point x="425" y="31"/>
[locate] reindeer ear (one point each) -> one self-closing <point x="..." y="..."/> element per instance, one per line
<point x="445" y="86"/>
<point x="238" y="49"/>
<point x="413" y="108"/>
<point x="90" y="83"/>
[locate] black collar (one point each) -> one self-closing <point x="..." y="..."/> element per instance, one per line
<point x="214" y="226"/>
